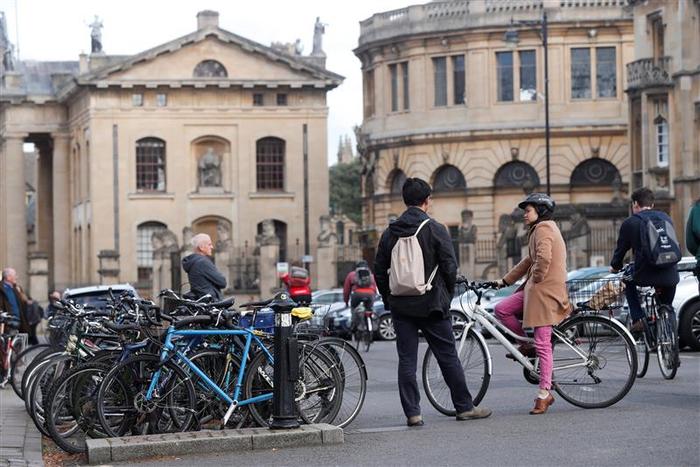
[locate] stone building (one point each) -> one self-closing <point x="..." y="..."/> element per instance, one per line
<point x="663" y="89"/>
<point x="210" y="132"/>
<point x="448" y="99"/>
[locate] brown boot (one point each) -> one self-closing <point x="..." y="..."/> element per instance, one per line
<point x="541" y="405"/>
<point x="527" y="350"/>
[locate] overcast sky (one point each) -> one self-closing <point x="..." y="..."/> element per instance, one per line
<point x="57" y="30"/>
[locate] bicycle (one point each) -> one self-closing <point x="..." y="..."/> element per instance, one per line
<point x="363" y="326"/>
<point x="594" y="360"/>
<point x="11" y="345"/>
<point x="156" y="392"/>
<point x="659" y="334"/>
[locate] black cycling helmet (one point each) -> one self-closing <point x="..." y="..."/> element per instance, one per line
<point x="361" y="264"/>
<point x="543" y="204"/>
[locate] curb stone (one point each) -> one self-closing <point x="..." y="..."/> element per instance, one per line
<point x="102" y="451"/>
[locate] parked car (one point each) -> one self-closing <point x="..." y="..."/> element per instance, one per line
<point x="330" y="310"/>
<point x="687" y="305"/>
<point x="97" y="296"/>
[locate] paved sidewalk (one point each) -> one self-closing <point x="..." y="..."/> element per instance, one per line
<point x="20" y="441"/>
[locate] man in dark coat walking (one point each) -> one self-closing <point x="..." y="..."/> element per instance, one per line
<point x="12" y="299"/>
<point x="203" y="276"/>
<point x="429" y="312"/>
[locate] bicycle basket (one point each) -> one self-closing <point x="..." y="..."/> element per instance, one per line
<point x="596" y="294"/>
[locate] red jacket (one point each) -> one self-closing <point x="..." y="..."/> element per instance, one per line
<point x="350" y="286"/>
<point x="297" y="286"/>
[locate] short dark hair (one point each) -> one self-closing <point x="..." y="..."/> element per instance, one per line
<point x="644" y="197"/>
<point x="415" y="191"/>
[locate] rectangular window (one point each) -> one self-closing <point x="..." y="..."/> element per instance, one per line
<point x="258" y="99"/>
<point x="393" y="75"/>
<point x="606" y="72"/>
<point x="440" y="80"/>
<point x="404" y="75"/>
<point x="581" y="73"/>
<point x="504" y="73"/>
<point x="281" y="99"/>
<point x="137" y="100"/>
<point x="161" y="100"/>
<point x="528" y="75"/>
<point x="661" y="142"/>
<point x="458" y="78"/>
<point x="369" y="93"/>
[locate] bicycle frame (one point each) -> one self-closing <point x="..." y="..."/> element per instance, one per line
<point x="169" y="350"/>
<point x="497" y="330"/>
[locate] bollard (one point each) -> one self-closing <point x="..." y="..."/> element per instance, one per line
<point x="286" y="365"/>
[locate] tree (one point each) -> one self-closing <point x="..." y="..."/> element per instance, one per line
<point x="346" y="189"/>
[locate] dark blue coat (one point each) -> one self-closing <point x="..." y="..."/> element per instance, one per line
<point x="203" y="276"/>
<point x="437" y="249"/>
<point x="645" y="274"/>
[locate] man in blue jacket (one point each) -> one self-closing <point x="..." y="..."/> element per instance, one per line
<point x="428" y="313"/>
<point x="203" y="276"/>
<point x="644" y="273"/>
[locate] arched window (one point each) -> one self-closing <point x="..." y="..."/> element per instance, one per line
<point x="661" y="126"/>
<point x="150" y="164"/>
<point x="396" y="180"/>
<point x="516" y="174"/>
<point x="594" y="172"/>
<point x="270" y="164"/>
<point x="210" y="69"/>
<point x="144" y="251"/>
<point x="448" y="178"/>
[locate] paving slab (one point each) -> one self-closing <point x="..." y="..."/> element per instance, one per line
<point x="20" y="441"/>
<point x="102" y="451"/>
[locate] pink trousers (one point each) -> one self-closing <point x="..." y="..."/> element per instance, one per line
<point x="509" y="311"/>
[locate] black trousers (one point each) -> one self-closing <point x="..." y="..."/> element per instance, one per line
<point x="438" y="333"/>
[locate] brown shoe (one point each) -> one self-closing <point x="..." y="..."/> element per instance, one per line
<point x="541" y="405"/>
<point x="637" y="327"/>
<point x="527" y="350"/>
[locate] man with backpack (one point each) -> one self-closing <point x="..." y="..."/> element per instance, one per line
<point x="360" y="286"/>
<point x="652" y="238"/>
<point x="416" y="271"/>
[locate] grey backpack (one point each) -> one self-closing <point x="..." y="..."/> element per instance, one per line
<point x="407" y="273"/>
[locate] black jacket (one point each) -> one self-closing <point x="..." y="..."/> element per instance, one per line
<point x="203" y="276"/>
<point x="645" y="274"/>
<point x="437" y="249"/>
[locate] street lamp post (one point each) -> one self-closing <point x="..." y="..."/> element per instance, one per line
<point x="511" y="38"/>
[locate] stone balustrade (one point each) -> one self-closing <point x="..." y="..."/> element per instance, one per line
<point x="649" y="72"/>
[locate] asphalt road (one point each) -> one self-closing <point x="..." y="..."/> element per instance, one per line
<point x="656" y="424"/>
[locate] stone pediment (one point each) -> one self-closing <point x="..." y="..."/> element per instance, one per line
<point x="246" y="62"/>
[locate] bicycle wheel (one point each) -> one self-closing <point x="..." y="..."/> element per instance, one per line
<point x="353" y="376"/>
<point x="70" y="408"/>
<point x="121" y="401"/>
<point x="39" y="385"/>
<point x="20" y="365"/>
<point x="222" y="369"/>
<point x="37" y="361"/>
<point x="475" y="359"/>
<point x="595" y="362"/>
<point x="667" y="342"/>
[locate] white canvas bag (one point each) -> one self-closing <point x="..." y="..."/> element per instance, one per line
<point x="407" y="272"/>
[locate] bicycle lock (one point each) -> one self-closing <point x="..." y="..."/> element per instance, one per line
<point x="286" y="366"/>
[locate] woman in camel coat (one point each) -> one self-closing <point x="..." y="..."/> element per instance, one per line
<point x="542" y="301"/>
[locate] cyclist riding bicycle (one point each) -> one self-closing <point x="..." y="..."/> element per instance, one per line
<point x="298" y="282"/>
<point x="650" y="235"/>
<point x="359" y="287"/>
<point x="542" y="300"/>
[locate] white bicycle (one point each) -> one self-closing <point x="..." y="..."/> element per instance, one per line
<point x="595" y="361"/>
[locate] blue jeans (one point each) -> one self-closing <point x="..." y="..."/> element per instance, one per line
<point x="664" y="296"/>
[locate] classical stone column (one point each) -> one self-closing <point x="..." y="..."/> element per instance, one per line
<point x="13" y="215"/>
<point x="61" y="211"/>
<point x="44" y="202"/>
<point x="269" y="254"/>
<point x="326" y="272"/>
<point x="39" y="277"/>
<point x="467" y="257"/>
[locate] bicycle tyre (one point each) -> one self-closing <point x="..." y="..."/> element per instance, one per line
<point x="353" y="374"/>
<point x="38" y="360"/>
<point x="20" y="365"/>
<point x="476" y="365"/>
<point x="607" y="346"/>
<point x="667" y="342"/>
<point x="39" y="387"/>
<point x="131" y="379"/>
<point x="70" y="408"/>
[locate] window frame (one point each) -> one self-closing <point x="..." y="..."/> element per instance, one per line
<point x="369" y="94"/>
<point x="521" y="68"/>
<point x="597" y="72"/>
<point x="258" y="99"/>
<point x="144" y="256"/>
<point x="275" y="180"/>
<point x="405" y="82"/>
<point x="143" y="180"/>
<point x="393" y="87"/>
<point x="459" y="77"/>
<point x="593" y="73"/>
<point x="440" y="99"/>
<point x="161" y="99"/>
